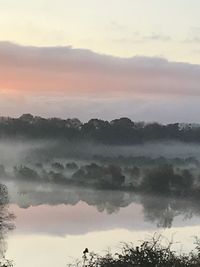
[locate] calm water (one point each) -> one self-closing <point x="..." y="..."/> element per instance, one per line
<point x="55" y="224"/>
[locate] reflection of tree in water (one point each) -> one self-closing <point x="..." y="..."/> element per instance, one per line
<point x="163" y="210"/>
<point x="108" y="201"/>
<point x="6" y="219"/>
<point x="158" y="209"/>
<point x="103" y="200"/>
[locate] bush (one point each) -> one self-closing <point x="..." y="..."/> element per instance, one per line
<point x="148" y="254"/>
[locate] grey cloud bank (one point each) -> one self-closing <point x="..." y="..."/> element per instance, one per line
<point x="69" y="82"/>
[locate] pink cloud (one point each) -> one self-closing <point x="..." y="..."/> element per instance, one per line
<point x="72" y="72"/>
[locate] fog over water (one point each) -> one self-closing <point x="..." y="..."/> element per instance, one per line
<point x="57" y="218"/>
<point x="19" y="150"/>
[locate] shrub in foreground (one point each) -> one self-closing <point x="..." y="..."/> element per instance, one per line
<point x="148" y="254"/>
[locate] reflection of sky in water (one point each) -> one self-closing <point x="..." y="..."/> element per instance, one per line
<point x="36" y="250"/>
<point x="81" y="219"/>
<point x="50" y="233"/>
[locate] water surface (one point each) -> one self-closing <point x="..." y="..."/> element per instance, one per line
<point x="54" y="223"/>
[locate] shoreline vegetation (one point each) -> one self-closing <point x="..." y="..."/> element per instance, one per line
<point x="122" y="131"/>
<point x="155" y="252"/>
<point x="161" y="176"/>
<point x="164" y="187"/>
<point x="150" y="253"/>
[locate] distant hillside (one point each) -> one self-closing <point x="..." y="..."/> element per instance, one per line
<point x="121" y="131"/>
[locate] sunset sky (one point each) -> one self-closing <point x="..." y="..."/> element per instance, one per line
<point x="101" y="58"/>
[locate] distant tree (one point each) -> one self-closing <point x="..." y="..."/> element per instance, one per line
<point x="57" y="177"/>
<point x="71" y="166"/>
<point x="25" y="172"/>
<point x="117" y="177"/>
<point x="158" y="180"/>
<point x="57" y="166"/>
<point x="26" y="117"/>
<point x="182" y="183"/>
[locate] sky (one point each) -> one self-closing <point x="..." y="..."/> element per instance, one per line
<point x="101" y="58"/>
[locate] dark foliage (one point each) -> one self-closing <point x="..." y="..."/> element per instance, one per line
<point x="148" y="254"/>
<point x="160" y="176"/>
<point x="104" y="177"/>
<point x="121" y="131"/>
<point x="6" y="224"/>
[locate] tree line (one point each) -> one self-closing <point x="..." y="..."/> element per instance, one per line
<point x="121" y="131"/>
<point x="164" y="179"/>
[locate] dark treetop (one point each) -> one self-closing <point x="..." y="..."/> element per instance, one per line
<point x="121" y="131"/>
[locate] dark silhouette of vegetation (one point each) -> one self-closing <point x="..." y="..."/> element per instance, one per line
<point x="6" y="224"/>
<point x="24" y="172"/>
<point x="57" y="166"/>
<point x="121" y="131"/>
<point x="163" y="184"/>
<point x="150" y="253"/>
<point x="140" y="174"/>
<point x="71" y="166"/>
<point x="104" y="177"/>
<point x="164" y="180"/>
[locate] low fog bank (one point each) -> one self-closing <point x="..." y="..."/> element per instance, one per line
<point x="14" y="151"/>
<point x="153" y="150"/>
<point x="88" y="150"/>
<point x="113" y="177"/>
<point x="170" y="169"/>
